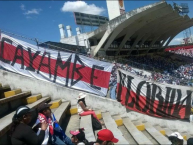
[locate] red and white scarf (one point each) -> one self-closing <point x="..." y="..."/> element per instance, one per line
<point x="42" y="118"/>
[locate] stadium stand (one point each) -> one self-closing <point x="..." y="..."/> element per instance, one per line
<point x="67" y="116"/>
<point x="184" y="52"/>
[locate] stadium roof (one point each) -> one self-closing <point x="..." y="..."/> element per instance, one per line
<point x="63" y="47"/>
<point x="144" y="29"/>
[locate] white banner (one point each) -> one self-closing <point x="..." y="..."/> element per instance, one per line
<point x="160" y="100"/>
<point x="63" y="68"/>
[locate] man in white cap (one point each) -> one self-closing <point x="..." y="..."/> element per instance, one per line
<point x="176" y="138"/>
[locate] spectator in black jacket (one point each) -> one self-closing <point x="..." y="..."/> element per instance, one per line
<point x="21" y="133"/>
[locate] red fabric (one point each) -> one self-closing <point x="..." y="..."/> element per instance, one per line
<point x="89" y="113"/>
<point x="179" y="47"/>
<point x="101" y="77"/>
<point x="43" y="118"/>
<point x="142" y="103"/>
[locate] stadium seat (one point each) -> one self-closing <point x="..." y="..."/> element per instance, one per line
<point x="12" y="92"/>
<point x="71" y="122"/>
<point x="33" y="98"/>
<point x="118" y="120"/>
<point x="4" y="89"/>
<point x="156" y="134"/>
<point x="6" y="121"/>
<point x="60" y="112"/>
<point x="136" y="134"/>
<point x="111" y="125"/>
<point x="86" y="123"/>
<point x="55" y="103"/>
<point x="12" y="102"/>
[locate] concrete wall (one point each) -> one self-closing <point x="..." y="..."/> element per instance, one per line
<point x="96" y="102"/>
<point x="80" y="40"/>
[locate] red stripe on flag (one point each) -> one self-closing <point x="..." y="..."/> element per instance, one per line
<point x="142" y="103"/>
<point x="102" y="79"/>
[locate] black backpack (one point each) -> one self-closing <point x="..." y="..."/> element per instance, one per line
<point x="96" y="125"/>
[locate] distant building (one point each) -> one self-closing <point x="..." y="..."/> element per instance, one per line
<point x="187" y="40"/>
<point x="147" y="29"/>
<point x="64" y="47"/>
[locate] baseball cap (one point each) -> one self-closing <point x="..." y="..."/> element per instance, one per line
<point x="81" y="96"/>
<point x="43" y="106"/>
<point x="107" y="135"/>
<point x="177" y="135"/>
<point x="22" y="110"/>
<point x="79" y="134"/>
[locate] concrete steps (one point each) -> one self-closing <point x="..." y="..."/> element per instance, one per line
<point x="6" y="120"/>
<point x="4" y="89"/>
<point x="129" y="138"/>
<point x="12" y="93"/>
<point x="169" y="132"/>
<point x="111" y="125"/>
<point x="61" y="111"/>
<point x="160" y="138"/>
<point x="127" y="131"/>
<point x="139" y="137"/>
<point x="86" y="123"/>
<point x="71" y="122"/>
<point x="10" y="103"/>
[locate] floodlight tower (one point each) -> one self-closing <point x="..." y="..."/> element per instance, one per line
<point x="183" y="9"/>
<point x="115" y="8"/>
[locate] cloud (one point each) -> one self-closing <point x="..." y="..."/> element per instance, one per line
<point x="22" y="7"/>
<point x="176" y="41"/>
<point x="82" y="7"/>
<point x="33" y="11"/>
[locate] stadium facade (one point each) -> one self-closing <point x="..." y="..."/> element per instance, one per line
<point x="144" y="30"/>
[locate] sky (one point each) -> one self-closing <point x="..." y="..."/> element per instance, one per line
<point x="40" y="19"/>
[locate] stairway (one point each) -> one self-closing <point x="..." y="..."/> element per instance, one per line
<point x="126" y="130"/>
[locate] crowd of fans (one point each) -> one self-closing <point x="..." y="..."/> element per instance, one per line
<point x="47" y="131"/>
<point x="166" y="70"/>
<point x="184" y="52"/>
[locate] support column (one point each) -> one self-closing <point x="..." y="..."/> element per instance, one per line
<point x="62" y="33"/>
<point x="127" y="36"/>
<point x="153" y="41"/>
<point x="69" y="31"/>
<point x="78" y="31"/>
<point x="137" y="40"/>
<point x="102" y="41"/>
<point x="112" y="37"/>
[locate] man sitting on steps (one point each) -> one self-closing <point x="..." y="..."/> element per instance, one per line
<point x="56" y="134"/>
